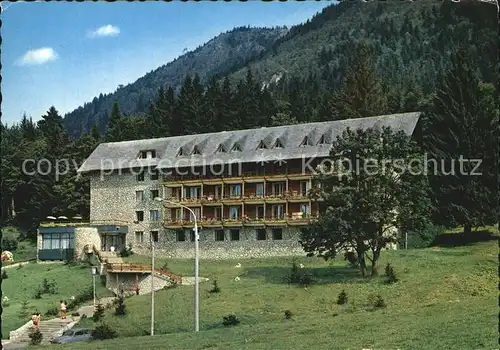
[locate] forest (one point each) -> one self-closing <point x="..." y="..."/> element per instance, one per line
<point x="437" y="59"/>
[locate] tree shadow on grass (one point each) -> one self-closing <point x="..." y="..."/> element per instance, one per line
<point x="321" y="275"/>
<point x="459" y="239"/>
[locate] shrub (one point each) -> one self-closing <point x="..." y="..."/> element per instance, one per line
<point x="75" y="314"/>
<point x="126" y="251"/>
<point x="288" y="314"/>
<point x="230" y="320"/>
<point x="379" y="302"/>
<point x="20" y="266"/>
<point x="98" y="313"/>
<point x="423" y="237"/>
<point x="4" y="275"/>
<point x="25" y="309"/>
<point x="38" y="293"/>
<point x="53" y="311"/>
<point x="49" y="287"/>
<point x="215" y="288"/>
<point x="342" y="298"/>
<point x="299" y="276"/>
<point x="103" y="331"/>
<point x="5" y="301"/>
<point x="120" y="306"/>
<point x="9" y="243"/>
<point x="165" y="266"/>
<point x="390" y="274"/>
<point x="85" y="295"/>
<point x="36" y="337"/>
<point x="352" y="258"/>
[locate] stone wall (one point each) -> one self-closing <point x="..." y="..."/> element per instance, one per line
<point x="247" y="247"/>
<point x="84" y="236"/>
<point x="113" y="197"/>
<point x="128" y="282"/>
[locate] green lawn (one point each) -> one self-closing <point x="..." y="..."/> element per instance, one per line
<point x="446" y="298"/>
<point x="22" y="283"/>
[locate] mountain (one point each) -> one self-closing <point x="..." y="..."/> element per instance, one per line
<point x="222" y="54"/>
<point x="412" y="43"/>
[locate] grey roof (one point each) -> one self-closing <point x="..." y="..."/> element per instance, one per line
<point x="123" y="155"/>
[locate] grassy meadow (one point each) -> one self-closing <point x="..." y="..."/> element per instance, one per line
<point x="446" y="298"/>
<point x="22" y="282"/>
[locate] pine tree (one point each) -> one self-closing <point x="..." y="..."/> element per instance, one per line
<point x="361" y="94"/>
<point x="459" y="125"/>
<point x="114" y="130"/>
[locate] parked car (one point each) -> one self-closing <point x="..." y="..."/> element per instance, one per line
<point x="73" y="336"/>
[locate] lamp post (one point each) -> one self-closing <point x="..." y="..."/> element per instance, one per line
<point x="196" y="263"/>
<point x="94" y="273"/>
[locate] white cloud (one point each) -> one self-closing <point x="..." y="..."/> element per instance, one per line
<point x="37" y="56"/>
<point x="103" y="31"/>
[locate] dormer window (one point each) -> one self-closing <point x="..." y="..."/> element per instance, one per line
<point x="278" y="144"/>
<point x="322" y="140"/>
<point x="180" y="152"/>
<point x="221" y="149"/>
<point x="262" y="145"/>
<point x="196" y="151"/>
<point x="306" y="142"/>
<point x="151" y="153"/>
<point x="236" y="148"/>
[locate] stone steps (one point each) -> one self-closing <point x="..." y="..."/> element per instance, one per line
<point x="48" y="329"/>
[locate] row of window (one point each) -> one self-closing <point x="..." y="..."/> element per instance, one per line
<point x="153" y="175"/>
<point x="58" y="241"/>
<point x="140" y="197"/>
<point x="278" y="144"/>
<point x="235" y="190"/>
<point x="220" y="235"/>
<point x="235" y="212"/>
<point x="154" y="215"/>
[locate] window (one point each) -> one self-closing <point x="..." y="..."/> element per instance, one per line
<point x="236" y="148"/>
<point x="304" y="188"/>
<point x="154" y="175"/>
<point x="235" y="190"/>
<point x="180" y="235"/>
<point x="147" y="154"/>
<point x="58" y="241"/>
<point x="261" y="234"/>
<point x="139" y="215"/>
<point x="235" y="235"/>
<point x="221" y="149"/>
<point x="154" y="235"/>
<point x="192" y="192"/>
<point x="278" y="144"/>
<point x="262" y="145"/>
<point x="278" y="188"/>
<point x="154" y="215"/>
<point x="234" y="212"/>
<point x="259" y="190"/>
<point x="217" y="213"/>
<point x="259" y="212"/>
<point x="219" y="235"/>
<point x="178" y="214"/>
<point x="322" y="140"/>
<point x="197" y="213"/>
<point x="196" y="151"/>
<point x="139" y="236"/>
<point x="180" y="152"/>
<point x="278" y="211"/>
<point x="304" y="208"/>
<point x="140" y="177"/>
<point x="277" y="234"/>
<point x="155" y="194"/>
<point x="139" y="196"/>
<point x="306" y="142"/>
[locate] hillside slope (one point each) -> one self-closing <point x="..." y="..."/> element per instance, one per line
<point x="215" y="57"/>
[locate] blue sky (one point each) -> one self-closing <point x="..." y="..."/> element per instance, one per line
<point x="65" y="54"/>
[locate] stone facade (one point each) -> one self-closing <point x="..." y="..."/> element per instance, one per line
<point x="85" y="236"/>
<point x="113" y="197"/>
<point x="129" y="281"/>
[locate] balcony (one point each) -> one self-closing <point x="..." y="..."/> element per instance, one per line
<point x="295" y="219"/>
<point x="228" y="178"/>
<point x="292" y="197"/>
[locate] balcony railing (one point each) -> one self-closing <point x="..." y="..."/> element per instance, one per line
<point x="211" y="198"/>
<point x="244" y="220"/>
<point x="229" y="175"/>
<point x="84" y="223"/>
